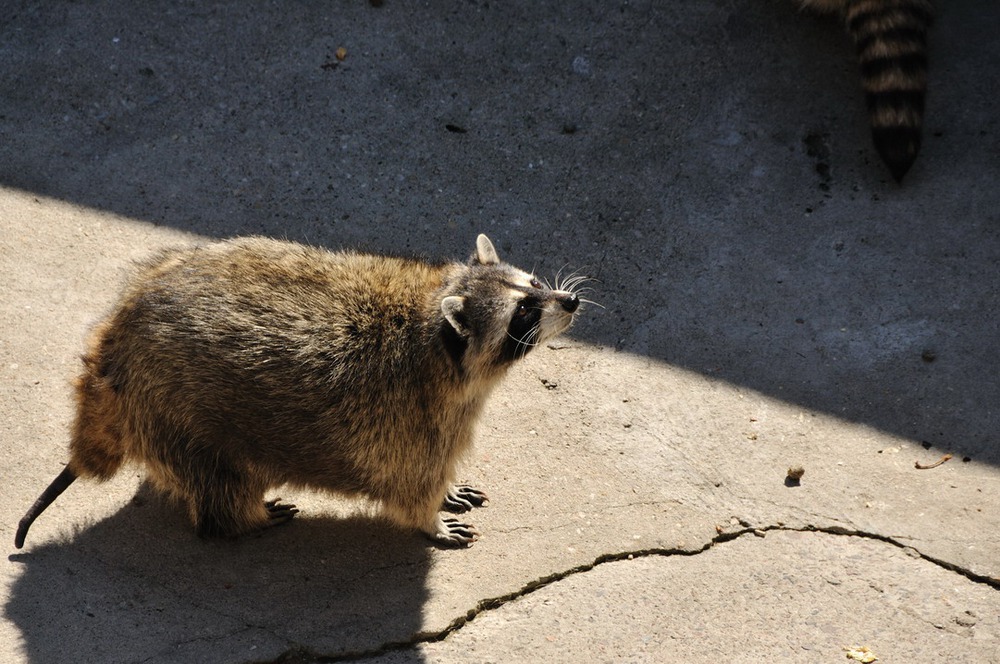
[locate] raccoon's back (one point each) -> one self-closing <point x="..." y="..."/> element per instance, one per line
<point x="259" y="336"/>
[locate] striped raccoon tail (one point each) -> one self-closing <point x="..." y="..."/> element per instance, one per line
<point x="891" y="41"/>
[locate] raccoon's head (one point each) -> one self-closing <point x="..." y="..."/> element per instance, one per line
<point x="498" y="313"/>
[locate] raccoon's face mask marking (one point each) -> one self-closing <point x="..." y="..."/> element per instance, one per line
<point x="523" y="328"/>
<point x="539" y="313"/>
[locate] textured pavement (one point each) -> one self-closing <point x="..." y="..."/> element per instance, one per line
<point x="770" y="298"/>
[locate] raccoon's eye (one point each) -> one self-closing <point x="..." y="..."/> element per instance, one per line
<point x="535" y="283"/>
<point x="521" y="311"/>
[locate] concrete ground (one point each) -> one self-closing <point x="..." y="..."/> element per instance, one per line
<point x="771" y="298"/>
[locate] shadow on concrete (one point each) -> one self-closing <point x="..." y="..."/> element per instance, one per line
<point x="111" y="592"/>
<point x="709" y="164"/>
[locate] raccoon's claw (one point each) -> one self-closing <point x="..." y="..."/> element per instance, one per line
<point x="278" y="512"/>
<point x="462" y="498"/>
<point x="452" y="532"/>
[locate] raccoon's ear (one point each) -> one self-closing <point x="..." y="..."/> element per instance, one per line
<point x="485" y="253"/>
<point x="453" y="308"/>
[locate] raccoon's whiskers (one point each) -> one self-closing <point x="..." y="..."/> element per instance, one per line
<point x="571" y="282"/>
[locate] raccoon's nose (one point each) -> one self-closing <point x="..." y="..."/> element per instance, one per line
<point x="570" y="302"/>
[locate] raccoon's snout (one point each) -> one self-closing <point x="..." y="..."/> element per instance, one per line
<point x="569" y="302"/>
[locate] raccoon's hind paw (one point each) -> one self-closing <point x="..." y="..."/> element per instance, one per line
<point x="452" y="532"/>
<point x="462" y="498"/>
<point x="279" y="512"/>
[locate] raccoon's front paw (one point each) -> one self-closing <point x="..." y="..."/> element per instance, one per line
<point x="452" y="532"/>
<point x="462" y="498"/>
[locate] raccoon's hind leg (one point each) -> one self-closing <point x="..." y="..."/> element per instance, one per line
<point x="223" y="501"/>
<point x="235" y="510"/>
<point x="278" y="512"/>
<point x="462" y="498"/>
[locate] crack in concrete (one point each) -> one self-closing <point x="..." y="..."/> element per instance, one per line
<point x="303" y="655"/>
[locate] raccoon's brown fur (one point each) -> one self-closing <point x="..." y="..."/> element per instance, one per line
<point x="233" y="368"/>
<point x="890" y="37"/>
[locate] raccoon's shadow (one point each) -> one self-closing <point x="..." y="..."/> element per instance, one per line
<point x="139" y="586"/>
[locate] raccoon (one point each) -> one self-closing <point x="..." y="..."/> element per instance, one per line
<point x="890" y="37"/>
<point x="233" y="368"/>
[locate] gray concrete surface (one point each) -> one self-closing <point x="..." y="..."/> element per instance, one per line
<point x="771" y="298"/>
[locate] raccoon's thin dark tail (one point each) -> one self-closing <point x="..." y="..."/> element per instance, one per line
<point x="59" y="484"/>
<point x="891" y="41"/>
